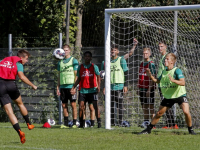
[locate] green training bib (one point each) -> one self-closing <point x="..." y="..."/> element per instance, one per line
<point x="67" y="72"/>
<point x="116" y="72"/>
<point x="169" y="89"/>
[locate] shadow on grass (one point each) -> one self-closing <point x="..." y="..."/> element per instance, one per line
<point x="152" y="133"/>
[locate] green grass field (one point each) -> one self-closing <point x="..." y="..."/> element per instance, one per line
<point x="94" y="139"/>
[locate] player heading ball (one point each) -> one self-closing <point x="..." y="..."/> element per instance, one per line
<point x="10" y="67"/>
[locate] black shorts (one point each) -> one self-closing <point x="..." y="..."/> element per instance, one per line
<point x="117" y="95"/>
<point x="90" y="97"/>
<point x="8" y="91"/>
<point x="65" y="95"/>
<point x="170" y="102"/>
<point x="147" y="100"/>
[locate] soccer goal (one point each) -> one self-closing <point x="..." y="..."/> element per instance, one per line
<point x="179" y="27"/>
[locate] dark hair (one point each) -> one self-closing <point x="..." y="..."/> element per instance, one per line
<point x="115" y="46"/>
<point x="23" y="53"/>
<point x="66" y="45"/>
<point x="87" y="52"/>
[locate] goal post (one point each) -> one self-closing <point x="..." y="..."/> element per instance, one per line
<point x="107" y="70"/>
<point x="124" y="24"/>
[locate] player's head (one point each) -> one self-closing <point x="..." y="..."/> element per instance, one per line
<point x="67" y="49"/>
<point x="24" y="55"/>
<point x="170" y="59"/>
<point x="87" y="56"/>
<point x="162" y="47"/>
<point x="114" y="50"/>
<point x="146" y="53"/>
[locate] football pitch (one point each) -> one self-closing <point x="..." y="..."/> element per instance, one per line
<point x="55" y="138"/>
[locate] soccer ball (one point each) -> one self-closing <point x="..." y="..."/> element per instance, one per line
<point x="102" y="74"/>
<point x="59" y="53"/>
<point x="125" y="124"/>
<point x="77" y="123"/>
<point x="51" y="122"/>
<point x="145" y="124"/>
<point x="87" y="123"/>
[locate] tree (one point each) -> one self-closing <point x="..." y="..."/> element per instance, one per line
<point x="79" y="24"/>
<point x="32" y="18"/>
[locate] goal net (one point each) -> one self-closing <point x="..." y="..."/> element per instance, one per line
<point x="179" y="27"/>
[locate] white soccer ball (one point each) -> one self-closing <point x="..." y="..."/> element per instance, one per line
<point x="51" y="122"/>
<point x="59" y="53"/>
<point x="77" y="123"/>
<point x="102" y="74"/>
<point x="145" y="124"/>
<point x="87" y="123"/>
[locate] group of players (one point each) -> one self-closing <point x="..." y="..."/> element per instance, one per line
<point x="170" y="81"/>
<point x="169" y="78"/>
<point x="88" y="77"/>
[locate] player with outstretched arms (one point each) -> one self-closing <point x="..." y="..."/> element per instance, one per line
<point x="89" y="79"/>
<point x="10" y="67"/>
<point x="119" y="83"/>
<point x="127" y="55"/>
<point x="67" y="68"/>
<point x="172" y="84"/>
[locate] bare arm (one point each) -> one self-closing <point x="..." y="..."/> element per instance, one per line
<point x="26" y="80"/>
<point x="73" y="90"/>
<point x="179" y="82"/>
<point x="98" y="83"/>
<point x="148" y="72"/>
<point x="76" y="83"/>
<point x="58" y="84"/>
<point x="135" y="42"/>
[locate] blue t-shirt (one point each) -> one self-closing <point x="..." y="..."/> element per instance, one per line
<point x="117" y="86"/>
<point x="75" y="66"/>
<point x="89" y="90"/>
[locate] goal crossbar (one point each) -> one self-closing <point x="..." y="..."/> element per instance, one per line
<point x="152" y="9"/>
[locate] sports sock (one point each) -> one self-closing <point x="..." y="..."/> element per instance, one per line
<point x="66" y="121"/>
<point x="74" y="121"/>
<point x="16" y="127"/>
<point x="98" y="120"/>
<point x="26" y="118"/>
<point x="190" y="128"/>
<point x="150" y="126"/>
<point x="83" y="122"/>
<point x="92" y="122"/>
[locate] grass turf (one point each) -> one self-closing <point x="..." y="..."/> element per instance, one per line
<point x="94" y="139"/>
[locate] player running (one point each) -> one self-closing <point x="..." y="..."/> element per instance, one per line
<point x="10" y="67"/>
<point x="172" y="84"/>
